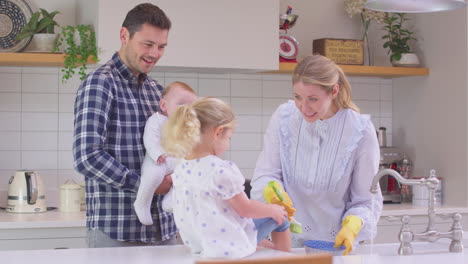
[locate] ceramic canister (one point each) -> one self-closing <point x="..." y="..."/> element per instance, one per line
<point x="70" y="197"/>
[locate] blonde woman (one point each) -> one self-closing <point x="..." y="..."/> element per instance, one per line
<point x="211" y="210"/>
<point x="324" y="153"/>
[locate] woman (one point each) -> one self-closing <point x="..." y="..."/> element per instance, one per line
<point x="325" y="154"/>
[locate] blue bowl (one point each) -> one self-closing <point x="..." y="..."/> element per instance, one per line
<point x="323" y="247"/>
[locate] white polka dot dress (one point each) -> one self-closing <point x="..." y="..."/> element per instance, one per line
<point x="206" y="221"/>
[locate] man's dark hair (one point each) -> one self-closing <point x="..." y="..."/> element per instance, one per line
<point x="145" y="14"/>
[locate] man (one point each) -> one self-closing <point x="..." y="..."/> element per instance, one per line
<point x="111" y="108"/>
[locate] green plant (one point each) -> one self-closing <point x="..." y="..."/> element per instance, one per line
<point x="79" y="45"/>
<point x="397" y="37"/>
<point x="35" y="25"/>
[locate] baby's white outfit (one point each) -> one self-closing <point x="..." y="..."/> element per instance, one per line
<point x="206" y="221"/>
<point x="152" y="174"/>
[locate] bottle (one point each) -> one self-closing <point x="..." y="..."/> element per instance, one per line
<point x="406" y="167"/>
<point x="382" y="137"/>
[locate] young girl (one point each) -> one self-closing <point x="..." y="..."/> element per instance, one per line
<point x="157" y="164"/>
<point x="211" y="210"/>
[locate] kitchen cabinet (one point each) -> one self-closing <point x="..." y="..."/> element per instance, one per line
<point x="49" y="230"/>
<point x="208" y="34"/>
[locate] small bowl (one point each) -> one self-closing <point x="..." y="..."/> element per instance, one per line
<point x="323" y="247"/>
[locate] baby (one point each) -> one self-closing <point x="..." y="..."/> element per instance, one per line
<point x="156" y="164"/>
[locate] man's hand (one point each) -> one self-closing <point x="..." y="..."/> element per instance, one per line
<point x="165" y="185"/>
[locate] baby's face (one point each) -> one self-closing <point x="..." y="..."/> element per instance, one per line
<point x="177" y="96"/>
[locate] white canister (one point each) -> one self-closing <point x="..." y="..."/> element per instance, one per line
<point x="421" y="194"/>
<point x="70" y="197"/>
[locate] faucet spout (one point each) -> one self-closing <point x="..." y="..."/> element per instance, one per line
<point x="398" y="177"/>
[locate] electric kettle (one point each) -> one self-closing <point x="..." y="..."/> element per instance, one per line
<point x="26" y="193"/>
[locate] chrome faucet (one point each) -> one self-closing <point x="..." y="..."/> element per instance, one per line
<point x="406" y="236"/>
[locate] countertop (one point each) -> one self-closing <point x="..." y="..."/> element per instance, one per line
<point x="49" y="219"/>
<point x="56" y="218"/>
<point x="181" y="255"/>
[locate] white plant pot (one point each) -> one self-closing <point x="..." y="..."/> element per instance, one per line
<point x="42" y="42"/>
<point x="407" y="60"/>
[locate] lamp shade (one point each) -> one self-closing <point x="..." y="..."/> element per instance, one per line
<point x="414" y="6"/>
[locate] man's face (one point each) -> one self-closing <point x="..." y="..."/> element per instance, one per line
<point x="141" y="52"/>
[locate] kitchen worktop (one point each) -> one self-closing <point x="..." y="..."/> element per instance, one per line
<point x="180" y="254"/>
<point x="50" y="219"/>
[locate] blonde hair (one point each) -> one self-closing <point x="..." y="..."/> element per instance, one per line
<point x="182" y="85"/>
<point x="321" y="71"/>
<point x="182" y="132"/>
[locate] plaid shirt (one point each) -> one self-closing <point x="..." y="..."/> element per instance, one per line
<point x="111" y="109"/>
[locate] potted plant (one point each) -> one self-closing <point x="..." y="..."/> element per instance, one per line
<point x="79" y="45"/>
<point x="41" y="30"/>
<point x="397" y="41"/>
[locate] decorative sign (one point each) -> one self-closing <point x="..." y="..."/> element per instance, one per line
<point x="341" y="51"/>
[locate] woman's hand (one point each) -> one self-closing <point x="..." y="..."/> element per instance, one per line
<point x="278" y="213"/>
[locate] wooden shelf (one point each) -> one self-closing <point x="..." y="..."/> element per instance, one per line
<point x="33" y="59"/>
<point x="370" y="71"/>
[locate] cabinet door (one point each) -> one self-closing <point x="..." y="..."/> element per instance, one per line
<point x="226" y="34"/>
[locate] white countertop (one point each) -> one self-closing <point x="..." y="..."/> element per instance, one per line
<point x="49" y="219"/>
<point x="181" y="255"/>
<point x="56" y="218"/>
<point x="409" y="209"/>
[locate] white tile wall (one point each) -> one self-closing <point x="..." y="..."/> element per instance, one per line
<point x="36" y="116"/>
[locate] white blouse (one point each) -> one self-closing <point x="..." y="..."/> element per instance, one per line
<point x="326" y="167"/>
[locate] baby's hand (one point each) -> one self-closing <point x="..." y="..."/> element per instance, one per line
<point x="278" y="213"/>
<point x="161" y="159"/>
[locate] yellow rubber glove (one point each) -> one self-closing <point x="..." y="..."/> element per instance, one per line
<point x="349" y="229"/>
<point x="274" y="194"/>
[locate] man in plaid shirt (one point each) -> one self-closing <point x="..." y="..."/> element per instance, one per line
<point x="111" y="108"/>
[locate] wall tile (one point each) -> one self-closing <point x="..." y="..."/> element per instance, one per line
<point x="39" y="121"/>
<point x="265" y="122"/>
<point x="39" y="141"/>
<point x="66" y="103"/>
<point x="71" y="85"/>
<point x="65" y="175"/>
<point x="247" y="173"/>
<point x="246" y="141"/>
<point x="39" y="160"/>
<point x="253" y="76"/>
<point x="10" y="102"/>
<point x="386" y="92"/>
<point x="249" y="123"/>
<point x="269" y="105"/>
<point x="40" y="70"/>
<point x="178" y="75"/>
<point x="387" y="123"/>
<point x="366" y="91"/>
<point x="192" y="82"/>
<point x="10" y="160"/>
<point x="214" y="76"/>
<point x="65" y="122"/>
<point x="245" y="159"/>
<point x="40" y="102"/>
<point x="246" y="88"/>
<point x="386" y="109"/>
<point x="40" y="83"/>
<point x="214" y="87"/>
<point x="10" y="121"/>
<point x="10" y="83"/>
<point x="277" y="89"/>
<point x="4" y="69"/>
<point x="65" y="140"/>
<point x="65" y="160"/>
<point x="357" y="79"/>
<point x="277" y="77"/>
<point x="247" y="106"/>
<point x="10" y="141"/>
<point x="369" y="107"/>
<point x="50" y="180"/>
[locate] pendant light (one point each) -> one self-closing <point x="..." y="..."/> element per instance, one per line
<point x="414" y="6"/>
